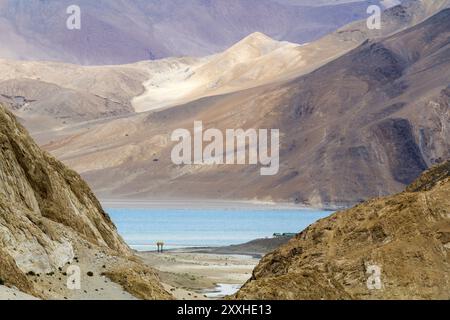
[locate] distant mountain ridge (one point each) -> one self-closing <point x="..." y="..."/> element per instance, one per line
<point x="363" y="125"/>
<point x="118" y="32"/>
<point x="362" y="113"/>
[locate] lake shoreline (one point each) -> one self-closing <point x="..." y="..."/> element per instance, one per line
<point x="256" y="248"/>
<point x="206" y="251"/>
<point x="205" y="273"/>
<point x="181" y="204"/>
<point x="209" y="252"/>
<point x="210" y="229"/>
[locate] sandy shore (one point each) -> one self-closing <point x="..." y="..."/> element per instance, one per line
<point x="201" y="276"/>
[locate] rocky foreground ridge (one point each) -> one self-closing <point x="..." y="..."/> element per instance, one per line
<point x="406" y="235"/>
<point x="49" y="219"/>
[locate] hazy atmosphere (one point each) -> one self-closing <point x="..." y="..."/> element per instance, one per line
<point x="224" y="149"/>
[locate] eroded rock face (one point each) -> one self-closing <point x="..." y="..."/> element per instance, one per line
<point x="46" y="212"/>
<point x="407" y="236"/>
<point x="43" y="204"/>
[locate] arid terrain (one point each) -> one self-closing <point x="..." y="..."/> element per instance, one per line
<point x="362" y="125"/>
<point x="196" y="276"/>
<point x="212" y="272"/>
<point x="364" y="122"/>
<point x="407" y="236"/>
<point x="50" y="221"/>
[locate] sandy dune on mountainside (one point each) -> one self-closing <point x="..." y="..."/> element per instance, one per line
<point x="257" y="60"/>
<point x="251" y="62"/>
<point x="48" y="96"/>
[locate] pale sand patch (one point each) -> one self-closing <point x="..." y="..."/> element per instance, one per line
<point x="94" y="285"/>
<point x="14" y="294"/>
<point x="255" y="60"/>
<point x="194" y="276"/>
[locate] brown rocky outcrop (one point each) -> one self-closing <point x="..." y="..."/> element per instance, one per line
<point x="406" y="235"/>
<point x="48" y="214"/>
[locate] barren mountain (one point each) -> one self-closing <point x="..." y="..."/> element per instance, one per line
<point x="72" y="94"/>
<point x="54" y="96"/>
<point x="256" y="83"/>
<point x="50" y="220"/>
<point x="255" y="60"/>
<point x="117" y="32"/>
<point x="406" y="236"/>
<point x="48" y="96"/>
<point x="364" y="125"/>
<point x="315" y="2"/>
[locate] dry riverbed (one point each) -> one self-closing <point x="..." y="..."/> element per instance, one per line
<point x="200" y="276"/>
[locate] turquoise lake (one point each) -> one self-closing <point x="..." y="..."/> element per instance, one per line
<point x="177" y="228"/>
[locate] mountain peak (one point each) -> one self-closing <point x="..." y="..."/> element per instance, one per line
<point x="257" y="44"/>
<point x="258" y="36"/>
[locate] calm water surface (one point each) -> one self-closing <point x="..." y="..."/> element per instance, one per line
<point x="177" y="228"/>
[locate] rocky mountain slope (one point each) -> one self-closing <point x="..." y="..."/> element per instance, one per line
<point x="128" y="31"/>
<point x="407" y="236"/>
<point x="50" y="219"/>
<point x="255" y="60"/>
<point x="365" y="124"/>
<point x="48" y="96"/>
